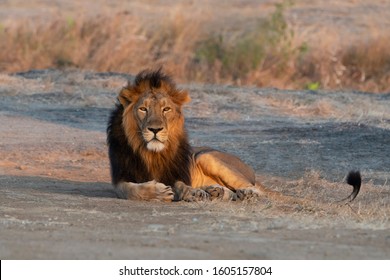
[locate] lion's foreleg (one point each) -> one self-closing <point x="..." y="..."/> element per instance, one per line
<point x="151" y="190"/>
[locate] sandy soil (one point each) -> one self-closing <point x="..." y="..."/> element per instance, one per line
<point x="56" y="201"/>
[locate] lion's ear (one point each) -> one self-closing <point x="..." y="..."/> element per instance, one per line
<point x="124" y="97"/>
<point x="183" y="97"/>
<point x="187" y="98"/>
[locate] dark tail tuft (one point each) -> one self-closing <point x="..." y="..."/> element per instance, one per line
<point x="354" y="179"/>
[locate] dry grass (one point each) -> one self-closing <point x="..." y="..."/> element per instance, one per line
<point x="318" y="198"/>
<point x="269" y="49"/>
<point x="364" y="66"/>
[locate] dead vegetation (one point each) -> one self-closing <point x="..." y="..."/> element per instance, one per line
<point x="198" y="42"/>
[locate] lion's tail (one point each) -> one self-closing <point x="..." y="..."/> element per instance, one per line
<point x="353" y="178"/>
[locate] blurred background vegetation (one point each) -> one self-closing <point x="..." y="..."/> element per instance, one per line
<point x="286" y="44"/>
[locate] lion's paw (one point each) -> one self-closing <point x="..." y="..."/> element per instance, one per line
<point x="249" y="193"/>
<point x="163" y="192"/>
<point x="196" y="195"/>
<point x="215" y="192"/>
<point x="218" y="192"/>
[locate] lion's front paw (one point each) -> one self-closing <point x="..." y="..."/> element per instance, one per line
<point x="249" y="193"/>
<point x="163" y="192"/>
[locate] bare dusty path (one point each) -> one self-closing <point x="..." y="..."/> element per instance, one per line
<point x="56" y="201"/>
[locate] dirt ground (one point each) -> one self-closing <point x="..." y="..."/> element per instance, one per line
<point x="56" y="201"/>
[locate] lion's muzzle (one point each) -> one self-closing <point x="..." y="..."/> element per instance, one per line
<point x="155" y="138"/>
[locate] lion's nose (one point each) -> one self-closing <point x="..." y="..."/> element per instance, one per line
<point x="155" y="130"/>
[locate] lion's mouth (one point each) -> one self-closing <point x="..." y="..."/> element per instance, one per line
<point x="155" y="145"/>
<point x="155" y="142"/>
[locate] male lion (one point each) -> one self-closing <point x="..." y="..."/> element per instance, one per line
<point x="151" y="158"/>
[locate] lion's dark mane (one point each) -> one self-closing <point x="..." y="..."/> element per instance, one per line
<point x="128" y="165"/>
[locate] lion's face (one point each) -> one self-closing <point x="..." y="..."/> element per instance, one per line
<point x="152" y="116"/>
<point x="156" y="115"/>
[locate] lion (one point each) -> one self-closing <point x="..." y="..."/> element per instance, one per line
<point x="151" y="158"/>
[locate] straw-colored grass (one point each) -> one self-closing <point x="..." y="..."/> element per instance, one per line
<point x="270" y="49"/>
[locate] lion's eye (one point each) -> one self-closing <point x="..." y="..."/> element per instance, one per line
<point x="143" y="109"/>
<point x="167" y="109"/>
